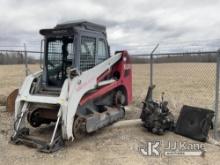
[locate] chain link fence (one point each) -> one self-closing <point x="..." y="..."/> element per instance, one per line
<point x="14" y="66"/>
<point x="185" y="78"/>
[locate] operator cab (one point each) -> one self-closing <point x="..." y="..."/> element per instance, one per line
<point x="81" y="45"/>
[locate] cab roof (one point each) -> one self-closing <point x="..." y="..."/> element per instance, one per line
<point x="76" y="24"/>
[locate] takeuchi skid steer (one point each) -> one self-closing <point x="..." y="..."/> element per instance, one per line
<point x="80" y="89"/>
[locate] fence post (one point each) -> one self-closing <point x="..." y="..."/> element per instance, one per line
<point x="26" y="60"/>
<point x="217" y="95"/>
<point x="151" y="69"/>
<point x="151" y="64"/>
<point x="7" y="58"/>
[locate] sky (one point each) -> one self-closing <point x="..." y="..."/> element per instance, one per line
<point x="138" y="25"/>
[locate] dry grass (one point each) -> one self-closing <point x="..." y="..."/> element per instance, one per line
<point x="183" y="83"/>
<point x="12" y="77"/>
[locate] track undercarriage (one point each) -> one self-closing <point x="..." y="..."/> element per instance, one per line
<point x="89" y="118"/>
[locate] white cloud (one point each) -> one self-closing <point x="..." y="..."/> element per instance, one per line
<point x="137" y="22"/>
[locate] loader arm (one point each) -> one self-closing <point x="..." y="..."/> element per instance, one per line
<point x="80" y="85"/>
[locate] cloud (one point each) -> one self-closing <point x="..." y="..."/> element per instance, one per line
<point x="131" y="24"/>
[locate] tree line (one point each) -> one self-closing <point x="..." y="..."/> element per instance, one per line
<point x="19" y="58"/>
<point x="179" y="57"/>
<point x="7" y="58"/>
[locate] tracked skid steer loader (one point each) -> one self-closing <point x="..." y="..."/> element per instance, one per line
<point x="80" y="89"/>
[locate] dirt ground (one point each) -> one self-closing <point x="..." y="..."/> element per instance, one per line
<point x="120" y="145"/>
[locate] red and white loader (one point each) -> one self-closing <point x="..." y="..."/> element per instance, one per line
<point x="80" y="89"/>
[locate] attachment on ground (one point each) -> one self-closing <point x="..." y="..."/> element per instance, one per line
<point x="156" y="116"/>
<point x="194" y="122"/>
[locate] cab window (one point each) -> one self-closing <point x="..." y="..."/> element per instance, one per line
<point x="102" y="52"/>
<point x="88" y="51"/>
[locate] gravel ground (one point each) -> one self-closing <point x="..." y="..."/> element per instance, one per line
<point x="111" y="145"/>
